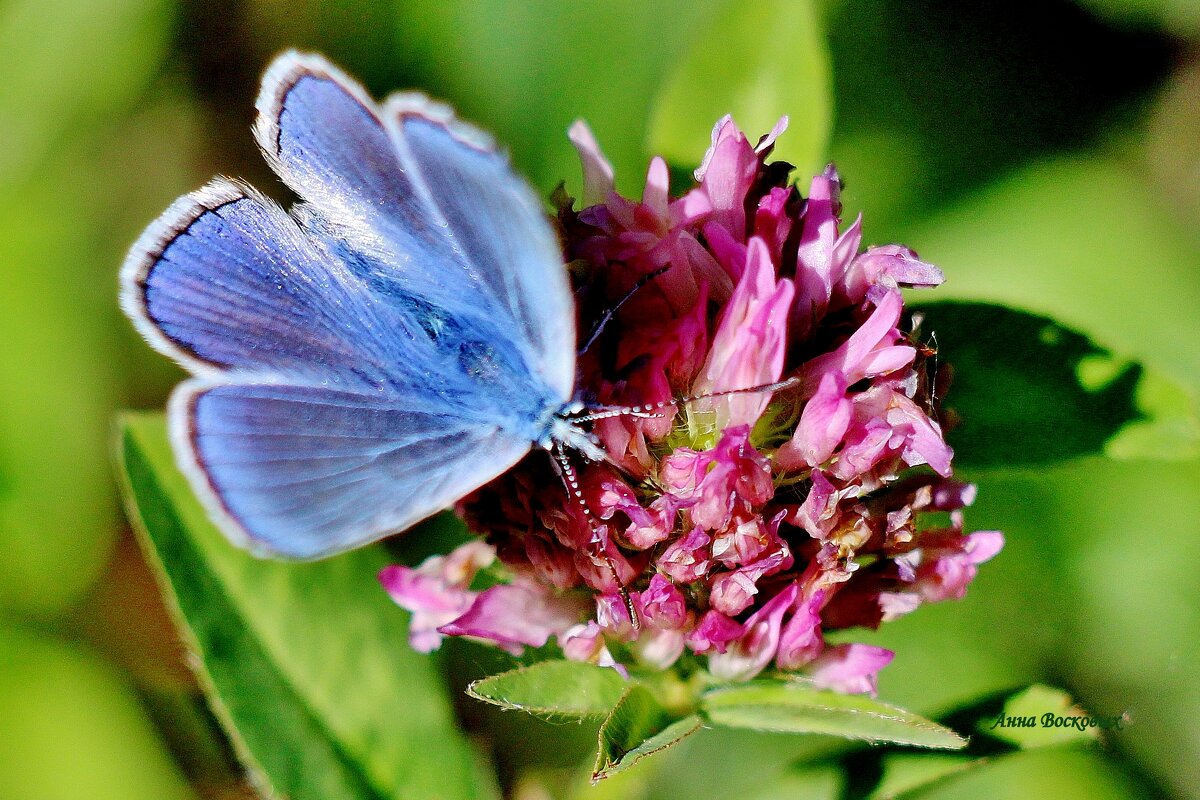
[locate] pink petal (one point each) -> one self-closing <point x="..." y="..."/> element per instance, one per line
<point x="750" y="342"/>
<point x="662" y="605"/>
<point x="656" y="194"/>
<point x="814" y="258"/>
<point x="801" y="639"/>
<point x="687" y="558"/>
<point x="750" y="653"/>
<point x="597" y="172"/>
<point x="850" y="668"/>
<point x="855" y="358"/>
<point x="890" y="265"/>
<point x="822" y="425"/>
<point x="512" y="615"/>
<point x="713" y="633"/>
<point x="768" y="140"/>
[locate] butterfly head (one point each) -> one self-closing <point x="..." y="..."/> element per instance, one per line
<point x="568" y="433"/>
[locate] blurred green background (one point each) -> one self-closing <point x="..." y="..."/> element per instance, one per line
<point x="1046" y="156"/>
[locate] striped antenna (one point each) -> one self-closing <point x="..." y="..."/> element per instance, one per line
<point x="658" y="409"/>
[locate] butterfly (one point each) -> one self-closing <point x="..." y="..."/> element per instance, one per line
<point x="400" y="337"/>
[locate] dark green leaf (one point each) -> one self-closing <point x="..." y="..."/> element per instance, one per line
<point x="757" y="61"/>
<point x="1086" y="241"/>
<point x="904" y="773"/>
<point x="636" y="728"/>
<point x="793" y="708"/>
<point x="307" y="665"/>
<point x="554" y="689"/>
<point x="1027" y="390"/>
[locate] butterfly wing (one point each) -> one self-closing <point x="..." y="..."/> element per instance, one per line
<point x="491" y="220"/>
<point x="414" y="187"/>
<point x="306" y="472"/>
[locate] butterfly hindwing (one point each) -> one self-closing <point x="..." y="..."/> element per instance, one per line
<point x="306" y="472"/>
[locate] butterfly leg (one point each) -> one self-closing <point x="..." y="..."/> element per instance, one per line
<point x="570" y="479"/>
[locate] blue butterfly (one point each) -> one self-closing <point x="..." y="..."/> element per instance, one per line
<point x="404" y="335"/>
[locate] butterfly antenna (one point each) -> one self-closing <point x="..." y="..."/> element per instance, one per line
<point x="657" y="409"/>
<point x="611" y="311"/>
<point x="570" y="479"/>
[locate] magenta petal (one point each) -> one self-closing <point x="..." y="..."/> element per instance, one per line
<point x="687" y="558"/>
<point x="656" y="194"/>
<point x="982" y="545"/>
<point x="432" y="601"/>
<point x="512" y="615"/>
<point x="750" y="653"/>
<point x="436" y="592"/>
<point x="749" y="344"/>
<point x="732" y="592"/>
<point x="662" y="605"/>
<point x="890" y="265"/>
<point x="948" y="571"/>
<point x="818" y="514"/>
<point x="850" y="668"/>
<point x="769" y="139"/>
<point x="952" y="495"/>
<point x="823" y="423"/>
<point x="801" y="639"/>
<point x="713" y="633"/>
<point x="814" y="259"/>
<point x="419" y="592"/>
<point x="853" y="359"/>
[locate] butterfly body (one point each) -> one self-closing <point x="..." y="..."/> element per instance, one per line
<point x="402" y="336"/>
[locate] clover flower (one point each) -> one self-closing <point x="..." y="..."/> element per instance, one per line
<point x="739" y="527"/>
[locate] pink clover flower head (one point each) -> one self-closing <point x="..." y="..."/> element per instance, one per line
<point x="736" y="527"/>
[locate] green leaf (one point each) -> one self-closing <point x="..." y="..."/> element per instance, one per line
<point x="1064" y="773"/>
<point x="307" y="665"/>
<point x="903" y="773"/>
<point x="757" y="61"/>
<point x="1027" y="390"/>
<point x="793" y="708"/>
<point x="1023" y="720"/>
<point x="636" y="728"/>
<point x="809" y="781"/>
<point x="554" y="690"/>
